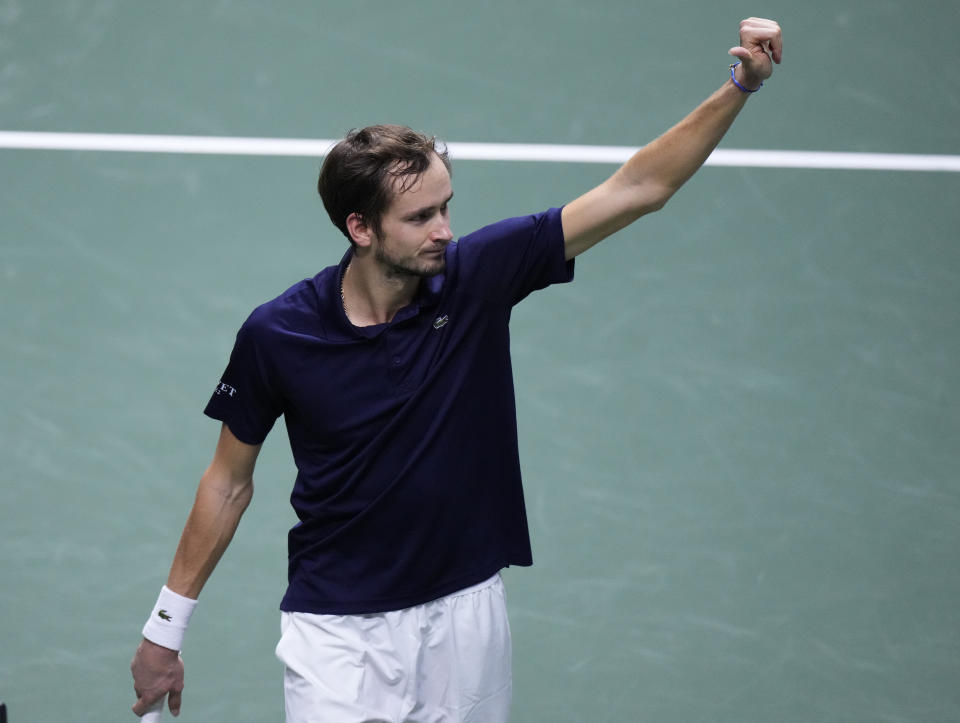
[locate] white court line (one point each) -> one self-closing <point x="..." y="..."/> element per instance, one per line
<point x="535" y="152"/>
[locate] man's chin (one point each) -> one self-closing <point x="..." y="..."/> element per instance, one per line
<point x="425" y="270"/>
<point x="435" y="268"/>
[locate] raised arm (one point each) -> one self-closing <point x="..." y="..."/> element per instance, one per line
<point x="222" y="497"/>
<point x="655" y="172"/>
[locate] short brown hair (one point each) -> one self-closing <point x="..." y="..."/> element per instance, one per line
<point x="358" y="173"/>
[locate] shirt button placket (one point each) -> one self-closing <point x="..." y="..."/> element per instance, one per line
<point x="395" y="359"/>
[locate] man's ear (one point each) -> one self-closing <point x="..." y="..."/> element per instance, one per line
<point x="360" y="230"/>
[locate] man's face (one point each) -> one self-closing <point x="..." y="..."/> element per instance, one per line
<point x="415" y="229"/>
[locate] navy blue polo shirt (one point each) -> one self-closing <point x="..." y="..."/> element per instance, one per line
<point x="404" y="434"/>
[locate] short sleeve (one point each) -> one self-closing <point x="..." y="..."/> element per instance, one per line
<point x="514" y="257"/>
<point x="246" y="398"/>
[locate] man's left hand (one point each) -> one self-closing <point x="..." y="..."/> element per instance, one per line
<point x="761" y="45"/>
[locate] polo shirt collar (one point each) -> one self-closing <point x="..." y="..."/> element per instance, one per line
<point x="427" y="297"/>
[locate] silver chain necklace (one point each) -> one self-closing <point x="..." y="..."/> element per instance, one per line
<point x="343" y="301"/>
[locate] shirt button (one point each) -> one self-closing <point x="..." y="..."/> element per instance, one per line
<point x="396" y="361"/>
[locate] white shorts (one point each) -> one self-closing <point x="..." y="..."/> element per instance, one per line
<point x="446" y="661"/>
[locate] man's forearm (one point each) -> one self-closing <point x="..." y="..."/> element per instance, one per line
<point x="216" y="512"/>
<point x="655" y="172"/>
<point x="666" y="163"/>
<point x="222" y="496"/>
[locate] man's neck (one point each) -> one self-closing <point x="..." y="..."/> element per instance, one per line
<point x="370" y="296"/>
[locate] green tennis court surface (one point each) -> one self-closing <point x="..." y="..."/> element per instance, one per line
<point x="739" y="426"/>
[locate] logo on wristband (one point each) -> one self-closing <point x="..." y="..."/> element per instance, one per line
<point x="163" y="614"/>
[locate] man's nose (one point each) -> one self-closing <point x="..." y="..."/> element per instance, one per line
<point x="442" y="232"/>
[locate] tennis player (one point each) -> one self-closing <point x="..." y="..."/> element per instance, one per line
<point x="392" y="371"/>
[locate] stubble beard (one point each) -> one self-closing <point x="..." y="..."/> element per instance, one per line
<point x="409" y="268"/>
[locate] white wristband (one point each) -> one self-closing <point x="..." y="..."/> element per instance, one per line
<point x="168" y="621"/>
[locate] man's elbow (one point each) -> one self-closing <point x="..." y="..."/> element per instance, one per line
<point x="655" y="197"/>
<point x="242" y="494"/>
<point x="234" y="489"/>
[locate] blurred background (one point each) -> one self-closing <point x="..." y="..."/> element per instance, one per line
<point x="740" y="425"/>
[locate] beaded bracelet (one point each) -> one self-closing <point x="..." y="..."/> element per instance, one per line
<point x="733" y="77"/>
